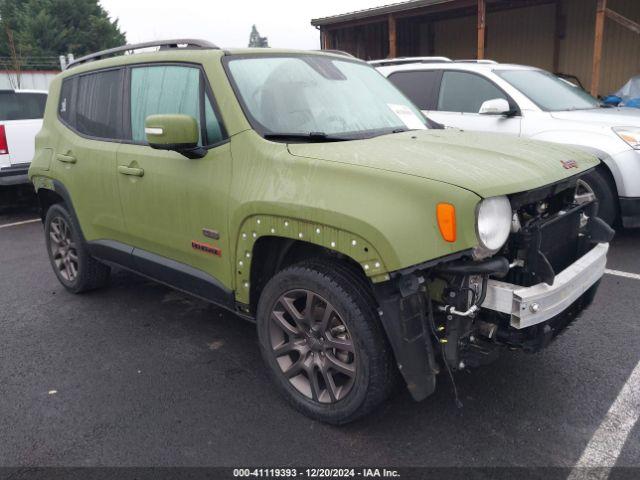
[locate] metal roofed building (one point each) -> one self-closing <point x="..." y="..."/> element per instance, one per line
<point x="597" y="41"/>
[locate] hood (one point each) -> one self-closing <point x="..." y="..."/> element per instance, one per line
<point x="486" y="164"/>
<point x="608" y="117"/>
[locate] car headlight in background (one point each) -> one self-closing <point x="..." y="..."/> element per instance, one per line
<point x="493" y="225"/>
<point x="631" y="135"/>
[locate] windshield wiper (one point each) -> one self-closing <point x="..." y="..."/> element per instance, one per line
<point x="310" y="137"/>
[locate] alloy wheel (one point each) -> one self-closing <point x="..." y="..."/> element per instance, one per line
<point x="63" y="249"/>
<point x="313" y="346"/>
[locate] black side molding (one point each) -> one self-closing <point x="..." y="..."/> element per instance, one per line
<point x="164" y="270"/>
<point x="183" y="277"/>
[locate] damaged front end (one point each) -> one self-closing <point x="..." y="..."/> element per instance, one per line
<point x="461" y="311"/>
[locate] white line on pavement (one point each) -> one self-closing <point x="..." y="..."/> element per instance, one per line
<point x="7" y="225"/>
<point x="618" y="273"/>
<point x="606" y="444"/>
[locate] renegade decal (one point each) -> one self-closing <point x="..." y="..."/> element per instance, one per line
<point x="206" y="248"/>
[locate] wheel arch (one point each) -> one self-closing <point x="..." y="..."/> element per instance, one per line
<point x="272" y="254"/>
<point x="46" y="194"/>
<point x="268" y="243"/>
<point x="51" y="192"/>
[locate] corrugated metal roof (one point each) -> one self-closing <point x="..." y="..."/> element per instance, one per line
<point x="377" y="11"/>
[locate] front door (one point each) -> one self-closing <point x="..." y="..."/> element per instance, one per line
<point x="459" y="100"/>
<point x="173" y="205"/>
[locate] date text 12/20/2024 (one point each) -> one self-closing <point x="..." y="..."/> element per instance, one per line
<point x="315" y="473"/>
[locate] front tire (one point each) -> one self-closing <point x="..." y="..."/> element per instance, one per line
<point x="75" y="268"/>
<point x="322" y="340"/>
<point x="605" y="193"/>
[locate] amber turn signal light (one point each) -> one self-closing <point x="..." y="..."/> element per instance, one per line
<point x="446" y="214"/>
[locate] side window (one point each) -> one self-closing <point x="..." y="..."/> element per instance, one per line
<point x="421" y="86"/>
<point x="98" y="104"/>
<point x="66" y="102"/>
<point x="167" y="89"/>
<point x="466" y="92"/>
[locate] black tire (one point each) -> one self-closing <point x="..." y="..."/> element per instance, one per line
<point x="88" y="273"/>
<point x="600" y="183"/>
<point x="375" y="369"/>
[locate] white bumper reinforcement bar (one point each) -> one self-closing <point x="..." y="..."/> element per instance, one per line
<point x="532" y="305"/>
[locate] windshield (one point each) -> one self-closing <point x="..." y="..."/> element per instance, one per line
<point x="547" y="91"/>
<point x="313" y="94"/>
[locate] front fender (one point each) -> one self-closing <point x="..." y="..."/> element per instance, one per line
<point x="385" y="221"/>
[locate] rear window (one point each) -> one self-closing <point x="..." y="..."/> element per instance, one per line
<point x="21" y="106"/>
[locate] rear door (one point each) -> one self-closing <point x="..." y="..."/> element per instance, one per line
<point x="460" y="96"/>
<point x="175" y="200"/>
<point x="420" y="86"/>
<point x="21" y="117"/>
<point x="91" y="110"/>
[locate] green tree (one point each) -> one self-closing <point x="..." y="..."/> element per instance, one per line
<point x="255" y="40"/>
<point x="49" y="28"/>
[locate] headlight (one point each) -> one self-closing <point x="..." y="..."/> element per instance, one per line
<point x="631" y="135"/>
<point x="493" y="225"/>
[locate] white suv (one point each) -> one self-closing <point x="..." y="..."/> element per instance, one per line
<point x="21" y="113"/>
<point x="529" y="102"/>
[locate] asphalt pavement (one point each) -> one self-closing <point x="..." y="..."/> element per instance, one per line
<point x="138" y="374"/>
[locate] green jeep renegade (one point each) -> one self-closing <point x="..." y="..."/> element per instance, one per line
<point x="303" y="191"/>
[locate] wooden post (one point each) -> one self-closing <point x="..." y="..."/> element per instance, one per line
<point x="393" y="37"/>
<point x="597" y="46"/>
<point x="482" y="26"/>
<point x="325" y="39"/>
<point x="558" y="34"/>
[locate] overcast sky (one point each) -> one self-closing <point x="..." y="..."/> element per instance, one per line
<point x="228" y="23"/>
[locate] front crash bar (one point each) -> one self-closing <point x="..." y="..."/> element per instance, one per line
<point x="533" y="305"/>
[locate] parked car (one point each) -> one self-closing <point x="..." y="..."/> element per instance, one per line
<point x="21" y="114"/>
<point x="303" y="191"/>
<point x="532" y="103"/>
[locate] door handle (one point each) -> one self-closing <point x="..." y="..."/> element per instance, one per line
<point x="66" y="158"/>
<point x="134" y="172"/>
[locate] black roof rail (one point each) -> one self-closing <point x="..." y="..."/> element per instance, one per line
<point x="187" y="43"/>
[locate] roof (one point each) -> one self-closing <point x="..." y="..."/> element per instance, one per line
<point x="467" y="67"/>
<point x="377" y="11"/>
<point x="192" y="54"/>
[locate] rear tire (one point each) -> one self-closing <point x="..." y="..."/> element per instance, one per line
<point x="75" y="268"/>
<point x="334" y="367"/>
<point x="606" y="194"/>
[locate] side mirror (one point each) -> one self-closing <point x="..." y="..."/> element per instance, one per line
<point x="497" y="106"/>
<point x="178" y="133"/>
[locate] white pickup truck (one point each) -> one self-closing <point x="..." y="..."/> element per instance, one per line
<point x="21" y="113"/>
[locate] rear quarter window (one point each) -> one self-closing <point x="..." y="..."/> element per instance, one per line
<point x="21" y="106"/>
